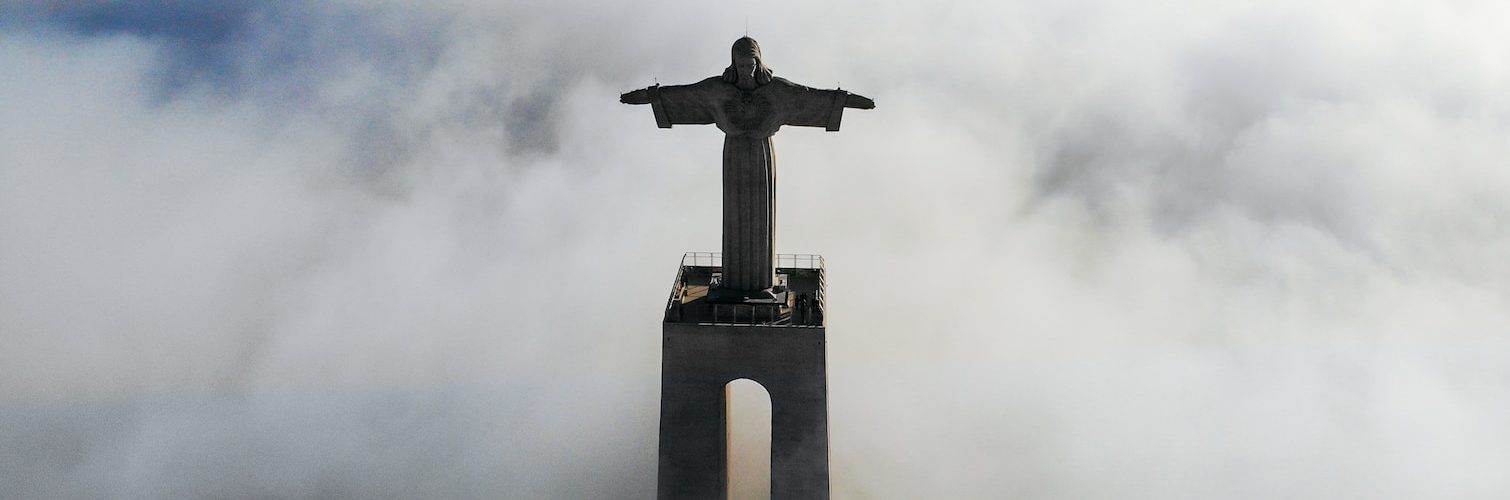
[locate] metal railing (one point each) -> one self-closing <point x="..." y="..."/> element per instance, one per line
<point x="703" y="259"/>
<point x="747" y="314"/>
<point x="786" y="260"/>
<point x="799" y="260"/>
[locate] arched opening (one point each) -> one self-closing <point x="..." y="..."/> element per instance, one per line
<point x="748" y="432"/>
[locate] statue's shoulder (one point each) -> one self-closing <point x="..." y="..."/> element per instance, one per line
<point x="786" y="86"/>
<point x="710" y="86"/>
<point x="712" y="82"/>
<point x="783" y="82"/>
<point x="705" y="90"/>
<point x="705" y="84"/>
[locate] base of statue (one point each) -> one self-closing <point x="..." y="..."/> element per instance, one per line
<point x="774" y="295"/>
<point x="795" y="299"/>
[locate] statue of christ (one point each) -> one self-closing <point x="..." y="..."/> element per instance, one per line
<point x="748" y="105"/>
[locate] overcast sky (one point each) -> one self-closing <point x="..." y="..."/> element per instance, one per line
<point x="1081" y="249"/>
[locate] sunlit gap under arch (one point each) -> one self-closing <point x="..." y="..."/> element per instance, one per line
<point x="748" y="434"/>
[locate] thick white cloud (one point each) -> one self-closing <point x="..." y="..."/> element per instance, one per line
<point x="1081" y="250"/>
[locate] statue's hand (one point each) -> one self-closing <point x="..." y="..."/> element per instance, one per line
<point x="859" y="101"/>
<point x="635" y="97"/>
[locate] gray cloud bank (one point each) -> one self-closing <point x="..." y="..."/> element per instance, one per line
<point x="1081" y="250"/>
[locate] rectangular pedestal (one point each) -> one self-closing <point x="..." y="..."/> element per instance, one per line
<point x="697" y="361"/>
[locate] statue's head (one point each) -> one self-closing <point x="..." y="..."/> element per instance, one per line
<point x="745" y="63"/>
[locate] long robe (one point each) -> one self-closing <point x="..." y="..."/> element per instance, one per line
<point x="748" y="119"/>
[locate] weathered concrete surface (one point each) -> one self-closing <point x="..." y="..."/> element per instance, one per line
<point x="697" y="361"/>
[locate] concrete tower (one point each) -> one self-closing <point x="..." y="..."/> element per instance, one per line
<point x="746" y="312"/>
<point x="779" y="344"/>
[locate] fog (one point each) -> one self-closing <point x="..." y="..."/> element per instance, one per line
<point x="1080" y="250"/>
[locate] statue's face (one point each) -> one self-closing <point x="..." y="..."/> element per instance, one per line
<point x="744" y="65"/>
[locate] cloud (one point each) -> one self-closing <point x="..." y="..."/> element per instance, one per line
<point x="1080" y="250"/>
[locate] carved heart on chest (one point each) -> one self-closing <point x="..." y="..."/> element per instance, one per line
<point x="748" y="110"/>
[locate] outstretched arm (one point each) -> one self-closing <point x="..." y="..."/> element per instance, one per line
<point x="857" y="101"/>
<point x="673" y="104"/>
<point x="810" y="107"/>
<point x="641" y="96"/>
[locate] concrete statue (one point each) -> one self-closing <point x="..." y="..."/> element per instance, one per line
<point x="748" y="104"/>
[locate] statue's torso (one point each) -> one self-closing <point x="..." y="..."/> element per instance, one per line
<point x="756" y="113"/>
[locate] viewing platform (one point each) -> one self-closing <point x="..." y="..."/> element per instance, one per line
<point x="799" y="294"/>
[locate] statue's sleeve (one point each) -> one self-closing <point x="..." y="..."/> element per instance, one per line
<point x="680" y="105"/>
<point x="810" y="107"/>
